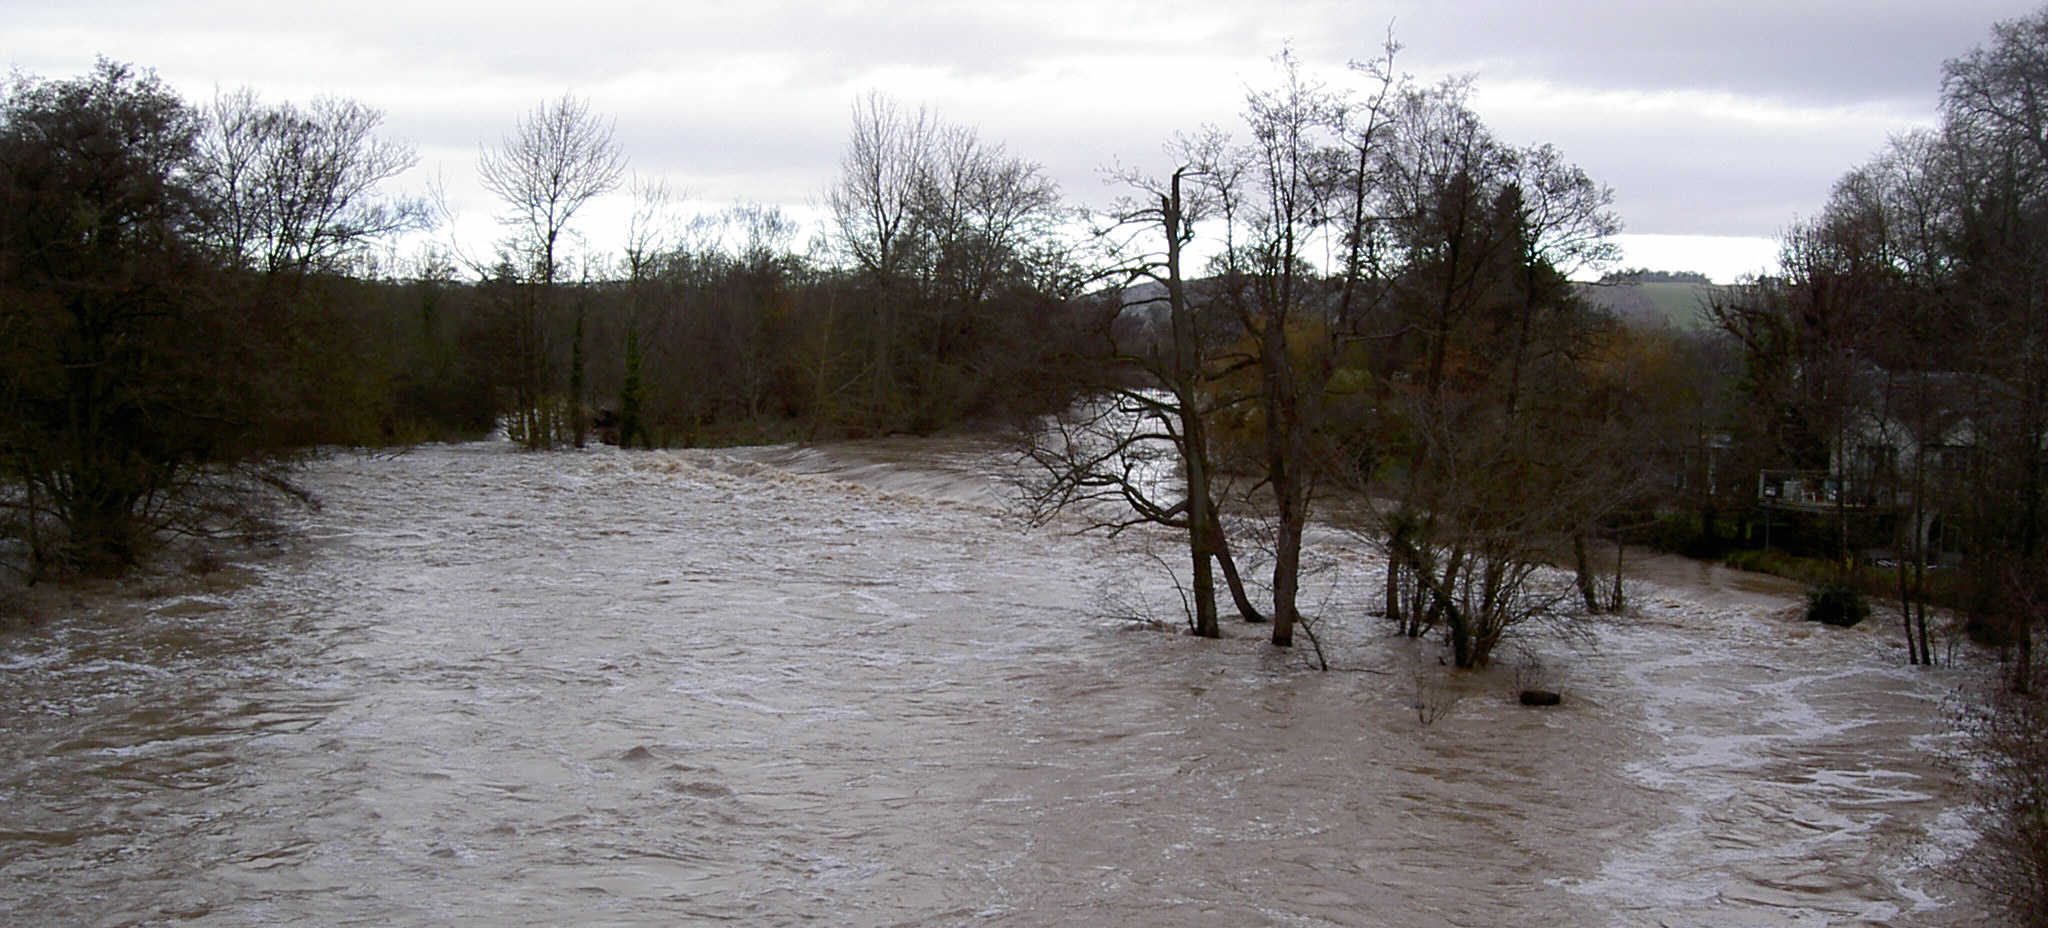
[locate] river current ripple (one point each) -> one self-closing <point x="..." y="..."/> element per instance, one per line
<point x="773" y="686"/>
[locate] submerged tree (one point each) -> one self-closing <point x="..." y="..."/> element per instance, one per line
<point x="1435" y="316"/>
<point x="1274" y="296"/>
<point x="559" y="158"/>
<point x="1307" y="185"/>
<point x="120" y="367"/>
<point x="1141" y="447"/>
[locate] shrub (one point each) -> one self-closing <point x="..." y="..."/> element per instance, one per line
<point x="1837" y="604"/>
<point x="2002" y="763"/>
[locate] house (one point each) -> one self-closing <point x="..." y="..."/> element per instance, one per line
<point x="1906" y="453"/>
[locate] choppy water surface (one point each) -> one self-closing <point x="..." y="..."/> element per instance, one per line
<point x="783" y="685"/>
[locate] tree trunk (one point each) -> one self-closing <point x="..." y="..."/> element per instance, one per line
<point x="1617" y="598"/>
<point x="576" y="402"/>
<point x="1285" y="461"/>
<point x="1902" y="583"/>
<point x="1201" y="587"/>
<point x="1392" y="602"/>
<point x="631" y="388"/>
<point x="1289" y="541"/>
<point x="1205" y="535"/>
<point x="1458" y="631"/>
<point x="1197" y="478"/>
<point x="1909" y="571"/>
<point x="1223" y="551"/>
<point x="1585" y="575"/>
<point x="2022" y="681"/>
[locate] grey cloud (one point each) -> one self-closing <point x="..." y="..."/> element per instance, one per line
<point x="1813" y="53"/>
<point x="753" y="98"/>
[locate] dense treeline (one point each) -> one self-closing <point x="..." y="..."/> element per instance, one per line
<point x="1362" y="307"/>
<point x="191" y="296"/>
<point x="147" y="362"/>
<point x="183" y="311"/>
<point x="748" y="342"/>
<point x="1903" y="349"/>
<point x="1382" y="313"/>
<point x="1640" y="275"/>
<point x="1902" y="353"/>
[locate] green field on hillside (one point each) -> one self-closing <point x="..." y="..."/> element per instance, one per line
<point x="1675" y="304"/>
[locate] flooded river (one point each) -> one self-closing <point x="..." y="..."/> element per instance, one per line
<point x="845" y="686"/>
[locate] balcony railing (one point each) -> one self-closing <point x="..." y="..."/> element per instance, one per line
<point x="1810" y="490"/>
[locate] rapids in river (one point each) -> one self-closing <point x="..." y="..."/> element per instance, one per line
<point x="847" y="685"/>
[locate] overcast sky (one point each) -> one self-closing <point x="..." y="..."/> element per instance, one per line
<point x="1718" y="122"/>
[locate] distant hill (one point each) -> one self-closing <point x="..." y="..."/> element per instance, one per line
<point x="1671" y="303"/>
<point x="1671" y="299"/>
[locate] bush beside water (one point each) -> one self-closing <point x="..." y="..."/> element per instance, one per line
<point x="1836" y="604"/>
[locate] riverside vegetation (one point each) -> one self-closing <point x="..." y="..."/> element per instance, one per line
<point x="1384" y="334"/>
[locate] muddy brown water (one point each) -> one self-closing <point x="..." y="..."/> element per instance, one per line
<point x="846" y="686"/>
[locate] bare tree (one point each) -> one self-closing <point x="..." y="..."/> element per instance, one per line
<point x="947" y="231"/>
<point x="875" y="199"/>
<point x="1496" y="499"/>
<point x="1314" y="179"/>
<point x="1146" y="433"/>
<point x="558" y="159"/>
<point x="298" y="190"/>
<point x="1563" y="224"/>
<point x="1441" y="165"/>
<point x="874" y="205"/>
<point x="1275" y="292"/>
<point x="651" y="233"/>
<point x="1993" y="122"/>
